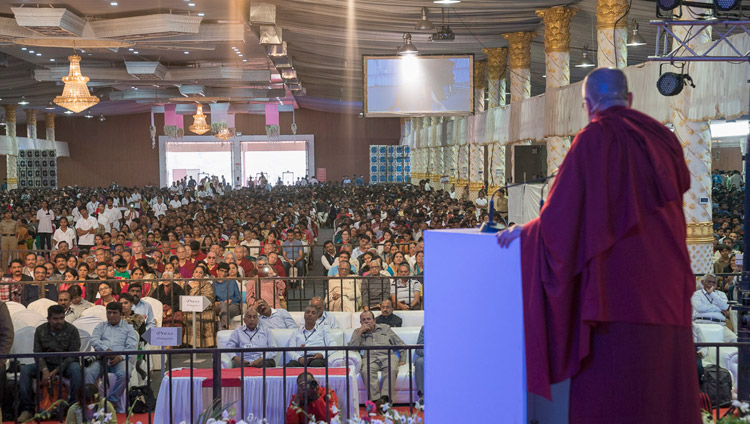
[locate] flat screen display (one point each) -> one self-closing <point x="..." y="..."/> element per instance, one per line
<point x="418" y="85"/>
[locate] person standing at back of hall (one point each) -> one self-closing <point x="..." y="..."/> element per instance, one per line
<point x="44" y="217"/>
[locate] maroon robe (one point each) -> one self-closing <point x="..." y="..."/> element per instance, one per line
<point x="609" y="247"/>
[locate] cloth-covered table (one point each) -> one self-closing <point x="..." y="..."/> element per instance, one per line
<point x="232" y="391"/>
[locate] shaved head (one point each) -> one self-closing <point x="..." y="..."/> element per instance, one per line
<point x="604" y="88"/>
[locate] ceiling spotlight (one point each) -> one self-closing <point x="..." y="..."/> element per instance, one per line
<point x="130" y="49"/>
<point x="135" y="52"/>
<point x="69" y="112"/>
<point x="191" y="4"/>
<point x="113" y="3"/>
<point x="23" y="101"/>
<point x="244" y="60"/>
<point x="585" y="62"/>
<point x="446" y="1"/>
<point x="88" y="115"/>
<point x="635" y="39"/>
<point x="201" y="14"/>
<point x="52" y="60"/>
<point x="424" y="24"/>
<point x="187" y="52"/>
<point x="672" y="83"/>
<point x="408" y="49"/>
<point x="38" y="54"/>
<point x="32" y="51"/>
<point x="102" y="118"/>
<point x="23" y="49"/>
<point x="50" y="106"/>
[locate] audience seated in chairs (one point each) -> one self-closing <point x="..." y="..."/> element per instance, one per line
<point x="252" y="335"/>
<point x="274" y="318"/>
<point x="710" y="306"/>
<point x="387" y="316"/>
<point x="375" y="290"/>
<point x="383" y="361"/>
<point x="309" y="334"/>
<point x="56" y="335"/>
<point x="77" y="302"/>
<point x="343" y="293"/>
<point x="311" y="400"/>
<point x="228" y="297"/>
<point x="112" y="336"/>
<point x="419" y="366"/>
<point x="324" y="319"/>
<point x="406" y="293"/>
<point x="139" y="307"/>
<point x="63" y="299"/>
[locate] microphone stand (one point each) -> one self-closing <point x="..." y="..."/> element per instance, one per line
<point x="494" y="227"/>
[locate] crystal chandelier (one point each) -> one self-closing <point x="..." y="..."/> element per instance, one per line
<point x="225" y="134"/>
<point x="75" y="96"/>
<point x="199" y="122"/>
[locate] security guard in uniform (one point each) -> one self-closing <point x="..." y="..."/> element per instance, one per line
<point x="9" y="243"/>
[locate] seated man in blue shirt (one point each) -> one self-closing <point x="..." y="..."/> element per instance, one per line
<point x="227" y="296"/>
<point x="113" y="336"/>
<point x="252" y="335"/>
<point x="141" y="308"/>
<point x="309" y="335"/>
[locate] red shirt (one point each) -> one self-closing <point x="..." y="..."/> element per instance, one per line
<point x="315" y="408"/>
<point x="247" y="266"/>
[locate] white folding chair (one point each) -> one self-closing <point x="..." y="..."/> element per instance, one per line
<point x="41" y="305"/>
<point x="95" y="311"/>
<point x="14" y="307"/>
<point x="157" y="307"/>
<point x="23" y="342"/>
<point x="27" y="318"/>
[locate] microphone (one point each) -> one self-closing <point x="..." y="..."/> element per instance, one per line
<point x="494" y="227"/>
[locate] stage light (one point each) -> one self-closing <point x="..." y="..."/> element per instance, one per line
<point x="668" y="4"/>
<point x="672" y="83"/>
<point x="635" y="39"/>
<point x="726" y="5"/>
<point x="408" y="48"/>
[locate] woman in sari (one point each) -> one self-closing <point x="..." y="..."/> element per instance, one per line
<point x="206" y="320"/>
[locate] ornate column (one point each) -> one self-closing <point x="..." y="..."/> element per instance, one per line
<point x="520" y="64"/>
<point x="49" y="126"/>
<point x="557" y="62"/>
<point x="11" y="161"/>
<point x="612" y="49"/>
<point x="695" y="137"/>
<point x="497" y="61"/>
<point x="30" y="123"/>
<point x="480" y="67"/>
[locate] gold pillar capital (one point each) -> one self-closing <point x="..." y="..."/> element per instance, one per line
<point x="520" y="49"/>
<point x="480" y="67"/>
<point x="700" y="233"/>
<point x="497" y="60"/>
<point x="556" y="28"/>
<point x="10" y="112"/>
<point x="609" y="12"/>
<point x="30" y="116"/>
<point x="49" y="120"/>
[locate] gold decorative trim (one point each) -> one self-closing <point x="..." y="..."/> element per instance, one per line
<point x="700" y="233"/>
<point x="497" y="60"/>
<point x="49" y="120"/>
<point x="556" y="28"/>
<point x="475" y="186"/>
<point x="30" y="116"/>
<point x="520" y="49"/>
<point x="462" y="183"/>
<point x="10" y="112"/>
<point x="480" y="67"/>
<point x="610" y="11"/>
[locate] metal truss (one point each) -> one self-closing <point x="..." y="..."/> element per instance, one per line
<point x="679" y="51"/>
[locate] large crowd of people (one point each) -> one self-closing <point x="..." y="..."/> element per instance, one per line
<point x="244" y="249"/>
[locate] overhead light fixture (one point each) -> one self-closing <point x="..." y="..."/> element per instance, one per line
<point x="191" y="4"/>
<point x="446" y="1"/>
<point x="76" y="96"/>
<point x="38" y="54"/>
<point x="88" y="115"/>
<point x="130" y="49"/>
<point x="135" y="52"/>
<point x="102" y="118"/>
<point x="23" y="49"/>
<point x="50" y="106"/>
<point x="635" y="39"/>
<point x="225" y="134"/>
<point x="201" y="14"/>
<point x="585" y="62"/>
<point x="444" y="33"/>
<point x="23" y="101"/>
<point x="52" y="60"/>
<point x="187" y="52"/>
<point x="424" y="24"/>
<point x="672" y="83"/>
<point x="244" y="60"/>
<point x="408" y="49"/>
<point x="199" y="126"/>
<point x="68" y="112"/>
<point x="31" y="52"/>
<point x="113" y="3"/>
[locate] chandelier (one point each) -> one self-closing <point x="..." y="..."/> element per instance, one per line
<point x="225" y="134"/>
<point x="75" y="96"/>
<point x="199" y="122"/>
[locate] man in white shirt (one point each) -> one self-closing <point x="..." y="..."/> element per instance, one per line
<point x="77" y="211"/>
<point x="274" y="318"/>
<point x="309" y="335"/>
<point x="252" y="335"/>
<point x="86" y="229"/>
<point x="64" y="233"/>
<point x="710" y="306"/>
<point x="160" y="208"/>
<point x="45" y="216"/>
<point x="92" y="205"/>
<point x="324" y="319"/>
<point x="113" y="214"/>
<point x="175" y="203"/>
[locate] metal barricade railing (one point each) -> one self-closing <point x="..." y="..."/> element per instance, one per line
<point x="85" y="360"/>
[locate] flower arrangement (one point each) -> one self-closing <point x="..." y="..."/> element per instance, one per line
<point x="742" y="408"/>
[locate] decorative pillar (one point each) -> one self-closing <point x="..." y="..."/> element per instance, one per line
<point x="11" y="161"/>
<point x="520" y="64"/>
<point x="30" y="123"/>
<point x="49" y="126"/>
<point x="695" y="137"/>
<point x="520" y="76"/>
<point x="557" y="62"/>
<point x="480" y="67"/>
<point x="476" y="169"/>
<point x="612" y="50"/>
<point x="497" y="61"/>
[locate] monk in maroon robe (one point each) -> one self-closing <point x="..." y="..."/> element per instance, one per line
<point x="606" y="272"/>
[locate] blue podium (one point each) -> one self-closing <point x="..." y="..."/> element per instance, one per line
<point x="475" y="368"/>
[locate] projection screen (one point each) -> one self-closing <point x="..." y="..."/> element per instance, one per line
<point x="418" y="85"/>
